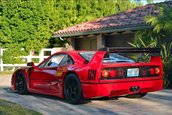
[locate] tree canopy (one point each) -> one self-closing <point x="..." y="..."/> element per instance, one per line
<point x="26" y="24"/>
<point x="29" y="24"/>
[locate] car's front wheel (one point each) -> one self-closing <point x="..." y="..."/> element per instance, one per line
<point x="21" y="85"/>
<point x="138" y="95"/>
<point x="72" y="89"/>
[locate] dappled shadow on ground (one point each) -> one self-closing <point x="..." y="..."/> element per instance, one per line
<point x="8" y="90"/>
<point x="53" y="105"/>
<point x="166" y="95"/>
<point x="161" y="97"/>
<point x="167" y="91"/>
<point x="5" y="88"/>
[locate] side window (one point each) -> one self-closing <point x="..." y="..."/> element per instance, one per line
<point x="66" y="60"/>
<point x="53" y="61"/>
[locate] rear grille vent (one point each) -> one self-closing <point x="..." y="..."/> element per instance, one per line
<point x="91" y="74"/>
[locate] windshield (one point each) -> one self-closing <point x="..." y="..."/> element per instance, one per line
<point x="118" y="57"/>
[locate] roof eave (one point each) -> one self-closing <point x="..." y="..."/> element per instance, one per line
<point x="107" y="30"/>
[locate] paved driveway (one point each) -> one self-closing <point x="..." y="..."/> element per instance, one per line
<point x="157" y="103"/>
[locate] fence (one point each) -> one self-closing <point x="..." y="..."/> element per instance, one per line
<point x="28" y="58"/>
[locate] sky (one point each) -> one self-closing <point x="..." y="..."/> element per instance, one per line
<point x="155" y="1"/>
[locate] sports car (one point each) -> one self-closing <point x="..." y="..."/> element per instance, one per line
<point x="79" y="75"/>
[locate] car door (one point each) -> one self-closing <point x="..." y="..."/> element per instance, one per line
<point x="41" y="77"/>
<point x="62" y="69"/>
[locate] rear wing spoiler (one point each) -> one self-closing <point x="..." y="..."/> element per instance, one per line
<point x="104" y="52"/>
<point x="155" y="51"/>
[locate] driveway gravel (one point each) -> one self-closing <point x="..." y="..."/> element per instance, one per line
<point x="156" y="103"/>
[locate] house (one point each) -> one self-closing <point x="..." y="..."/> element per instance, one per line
<point x="111" y="31"/>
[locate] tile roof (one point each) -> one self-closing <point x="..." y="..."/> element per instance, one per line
<point x="131" y="19"/>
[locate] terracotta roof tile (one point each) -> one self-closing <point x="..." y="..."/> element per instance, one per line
<point x="130" y="18"/>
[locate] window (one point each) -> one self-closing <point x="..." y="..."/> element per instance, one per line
<point x="66" y="60"/>
<point x="53" y="61"/>
<point x="87" y="55"/>
<point x="57" y="60"/>
<point x="114" y="57"/>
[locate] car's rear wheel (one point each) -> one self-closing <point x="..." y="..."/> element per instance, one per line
<point x="138" y="95"/>
<point x="21" y="85"/>
<point x="72" y="89"/>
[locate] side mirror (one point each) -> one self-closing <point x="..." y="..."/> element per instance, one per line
<point x="31" y="64"/>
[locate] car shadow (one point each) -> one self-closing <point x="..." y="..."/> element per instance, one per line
<point x="85" y="101"/>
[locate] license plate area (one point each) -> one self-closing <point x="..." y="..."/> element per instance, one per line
<point x="132" y="72"/>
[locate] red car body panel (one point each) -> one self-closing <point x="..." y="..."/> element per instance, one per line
<point x="50" y="80"/>
<point x="114" y="89"/>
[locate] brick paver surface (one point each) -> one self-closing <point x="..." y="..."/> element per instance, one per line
<point x="156" y="103"/>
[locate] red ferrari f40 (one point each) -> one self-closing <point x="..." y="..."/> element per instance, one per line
<point x="78" y="75"/>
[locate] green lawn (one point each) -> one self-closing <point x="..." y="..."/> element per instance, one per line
<point x="9" y="108"/>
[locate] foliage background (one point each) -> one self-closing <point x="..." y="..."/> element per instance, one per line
<point x="29" y="24"/>
<point x="159" y="36"/>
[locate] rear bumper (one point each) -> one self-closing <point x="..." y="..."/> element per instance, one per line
<point x="117" y="89"/>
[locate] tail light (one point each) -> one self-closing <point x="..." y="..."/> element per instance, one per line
<point x="105" y="73"/>
<point x="120" y="72"/>
<point x="112" y="73"/>
<point x="144" y="72"/>
<point x="152" y="71"/>
<point x="157" y="70"/>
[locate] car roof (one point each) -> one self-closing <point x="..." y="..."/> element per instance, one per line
<point x="74" y="54"/>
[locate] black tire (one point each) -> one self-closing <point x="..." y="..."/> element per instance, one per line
<point x="72" y="89"/>
<point x="21" y="85"/>
<point x="138" y="95"/>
